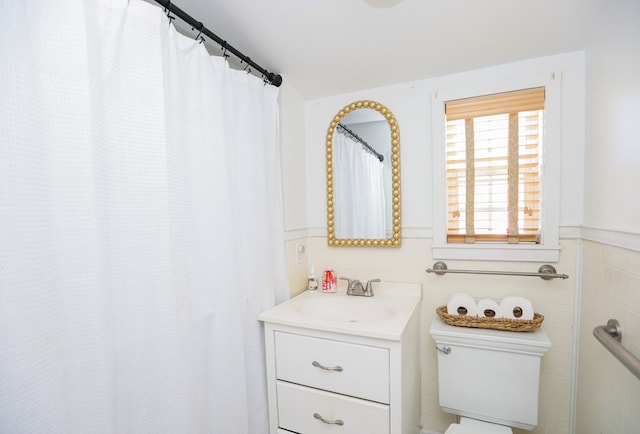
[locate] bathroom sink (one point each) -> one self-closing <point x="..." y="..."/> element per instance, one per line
<point x="353" y="309"/>
<point x="385" y="315"/>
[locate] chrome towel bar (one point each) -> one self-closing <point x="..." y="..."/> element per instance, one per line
<point x="611" y="337"/>
<point x="545" y="272"/>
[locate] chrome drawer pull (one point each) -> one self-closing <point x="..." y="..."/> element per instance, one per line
<point x="330" y="422"/>
<point x="327" y="368"/>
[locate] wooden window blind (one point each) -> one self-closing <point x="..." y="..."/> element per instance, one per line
<point x="493" y="153"/>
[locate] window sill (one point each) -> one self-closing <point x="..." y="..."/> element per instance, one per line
<point x="496" y="252"/>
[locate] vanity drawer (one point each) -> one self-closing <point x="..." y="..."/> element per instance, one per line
<point x="297" y="406"/>
<point x="363" y="370"/>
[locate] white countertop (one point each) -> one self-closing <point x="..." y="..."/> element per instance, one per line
<point x="401" y="298"/>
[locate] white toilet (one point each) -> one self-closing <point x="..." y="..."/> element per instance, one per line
<point x="489" y="377"/>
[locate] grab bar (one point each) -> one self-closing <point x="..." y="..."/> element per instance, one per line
<point x="545" y="272"/>
<point x="611" y="337"/>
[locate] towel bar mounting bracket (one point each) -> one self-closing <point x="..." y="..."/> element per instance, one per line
<point x="614" y="330"/>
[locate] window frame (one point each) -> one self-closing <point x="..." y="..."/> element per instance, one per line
<point x="548" y="250"/>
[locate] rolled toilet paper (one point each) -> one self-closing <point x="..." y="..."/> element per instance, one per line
<point x="488" y="308"/>
<point x="514" y="307"/>
<point x="462" y="304"/>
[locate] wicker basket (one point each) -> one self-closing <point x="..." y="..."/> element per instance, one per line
<point x="511" y="325"/>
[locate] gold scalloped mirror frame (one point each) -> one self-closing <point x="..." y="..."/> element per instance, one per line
<point x="395" y="241"/>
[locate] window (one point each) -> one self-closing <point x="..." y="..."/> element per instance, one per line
<point x="496" y="152"/>
<point x="493" y="145"/>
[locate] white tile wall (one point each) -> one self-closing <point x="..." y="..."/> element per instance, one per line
<point x="608" y="394"/>
<point x="554" y="299"/>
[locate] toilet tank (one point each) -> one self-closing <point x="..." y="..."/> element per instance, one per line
<point x="490" y="375"/>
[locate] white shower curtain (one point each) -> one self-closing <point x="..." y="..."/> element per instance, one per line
<point x="359" y="200"/>
<point x="140" y="225"/>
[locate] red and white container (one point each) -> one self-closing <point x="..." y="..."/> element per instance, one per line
<point x="329" y="281"/>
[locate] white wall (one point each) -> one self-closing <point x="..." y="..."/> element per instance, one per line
<point x="613" y="111"/>
<point x="608" y="395"/>
<point x="411" y="105"/>
<point x="554" y="299"/>
<point x="294" y="185"/>
<point x="600" y="233"/>
<point x="292" y="150"/>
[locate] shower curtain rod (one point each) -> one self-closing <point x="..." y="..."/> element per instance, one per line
<point x="354" y="136"/>
<point x="270" y="77"/>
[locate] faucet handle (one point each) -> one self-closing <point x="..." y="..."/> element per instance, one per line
<point x="349" y="284"/>
<point x="369" y="290"/>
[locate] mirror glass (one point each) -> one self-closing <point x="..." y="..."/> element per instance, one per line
<point x="363" y="177"/>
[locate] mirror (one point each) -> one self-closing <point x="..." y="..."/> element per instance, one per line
<point x="363" y="177"/>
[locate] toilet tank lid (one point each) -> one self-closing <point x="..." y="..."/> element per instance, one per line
<point x="535" y="342"/>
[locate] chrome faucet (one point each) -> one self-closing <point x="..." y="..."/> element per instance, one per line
<point x="355" y="287"/>
<point x="368" y="292"/>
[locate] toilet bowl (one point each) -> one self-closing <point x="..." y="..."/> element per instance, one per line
<point x="489" y="377"/>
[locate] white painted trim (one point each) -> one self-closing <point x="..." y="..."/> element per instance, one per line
<point x="548" y="250"/>
<point x="612" y="237"/>
<point x="417" y="232"/>
<point x="570" y="232"/>
<point x="497" y="252"/>
<point x="575" y="357"/>
<point x="296" y="234"/>
<point x="317" y="232"/>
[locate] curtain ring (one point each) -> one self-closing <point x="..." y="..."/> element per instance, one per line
<point x="199" y="28"/>
<point x="223" y="46"/>
<point x="168" y="10"/>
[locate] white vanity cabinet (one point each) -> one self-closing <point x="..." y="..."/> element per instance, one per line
<point x="326" y="377"/>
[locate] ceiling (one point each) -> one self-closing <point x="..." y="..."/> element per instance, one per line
<point x="329" y="47"/>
